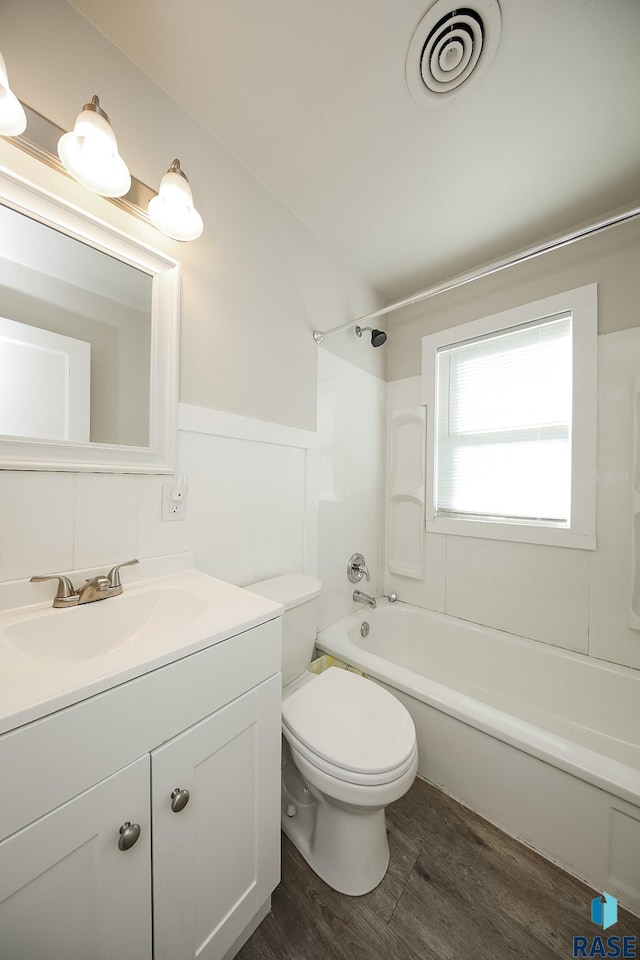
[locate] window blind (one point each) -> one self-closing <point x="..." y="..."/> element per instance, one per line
<point x="503" y="444"/>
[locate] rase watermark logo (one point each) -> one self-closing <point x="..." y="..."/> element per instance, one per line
<point x="604" y="913"/>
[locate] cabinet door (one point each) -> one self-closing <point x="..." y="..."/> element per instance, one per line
<point x="67" y="890"/>
<point x="217" y="860"/>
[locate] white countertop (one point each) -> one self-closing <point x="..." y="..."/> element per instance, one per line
<point x="30" y="690"/>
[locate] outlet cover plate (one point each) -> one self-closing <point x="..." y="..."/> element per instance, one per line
<point x="173" y="509"/>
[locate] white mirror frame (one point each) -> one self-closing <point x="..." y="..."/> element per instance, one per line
<point x="159" y="457"/>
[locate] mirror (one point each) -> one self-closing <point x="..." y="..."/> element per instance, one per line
<point x="88" y="337"/>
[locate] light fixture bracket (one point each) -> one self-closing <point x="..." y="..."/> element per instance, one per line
<point x="95" y="106"/>
<point x="176" y="168"/>
<point x="173" y="211"/>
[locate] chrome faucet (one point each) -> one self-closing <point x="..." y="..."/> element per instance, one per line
<point x="361" y="597"/>
<point x="95" y="588"/>
<point x="357" y="568"/>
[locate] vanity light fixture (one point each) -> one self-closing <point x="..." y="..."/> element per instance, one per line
<point x="90" y="153"/>
<point x="13" y="120"/>
<point x="172" y="211"/>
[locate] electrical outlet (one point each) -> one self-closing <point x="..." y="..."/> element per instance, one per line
<point x="172" y="508"/>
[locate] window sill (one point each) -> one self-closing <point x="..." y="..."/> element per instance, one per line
<point x="516" y="532"/>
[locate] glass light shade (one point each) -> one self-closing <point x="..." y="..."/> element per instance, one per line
<point x="13" y="120"/>
<point x="90" y="154"/>
<point x="172" y="211"/>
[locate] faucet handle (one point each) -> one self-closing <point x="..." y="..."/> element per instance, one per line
<point x="357" y="568"/>
<point x="114" y="574"/>
<point x="66" y="591"/>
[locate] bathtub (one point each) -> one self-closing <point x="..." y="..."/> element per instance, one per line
<point x="542" y="741"/>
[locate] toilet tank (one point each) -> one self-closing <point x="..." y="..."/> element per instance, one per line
<point x="299" y="595"/>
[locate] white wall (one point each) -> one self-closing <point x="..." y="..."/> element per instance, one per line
<point x="351" y="451"/>
<point x="257" y="282"/>
<point x="251" y="507"/>
<point x="609" y="259"/>
<point x="253" y="289"/>
<point x="252" y="510"/>
<point x="52" y="522"/>
<point x="577" y="599"/>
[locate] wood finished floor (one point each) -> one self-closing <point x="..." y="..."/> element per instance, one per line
<point x="457" y="888"/>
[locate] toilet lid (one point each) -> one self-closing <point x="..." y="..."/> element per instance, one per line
<point x="350" y="722"/>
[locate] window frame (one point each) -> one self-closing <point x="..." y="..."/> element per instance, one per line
<point x="580" y="532"/>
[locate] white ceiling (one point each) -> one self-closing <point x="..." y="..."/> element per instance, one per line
<point x="311" y="96"/>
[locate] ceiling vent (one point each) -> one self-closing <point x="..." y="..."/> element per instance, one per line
<point x="451" y="50"/>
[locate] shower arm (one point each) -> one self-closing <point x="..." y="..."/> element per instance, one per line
<point x="488" y="269"/>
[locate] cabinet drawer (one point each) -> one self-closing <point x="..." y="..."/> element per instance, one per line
<point x="54" y="759"/>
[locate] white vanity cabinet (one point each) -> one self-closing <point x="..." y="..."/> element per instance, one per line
<point x="213" y="860"/>
<point x="67" y="891"/>
<point x="198" y="874"/>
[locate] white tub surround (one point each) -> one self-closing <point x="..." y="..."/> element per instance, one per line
<point x="589" y="594"/>
<point x="542" y="741"/>
<point x="351" y="405"/>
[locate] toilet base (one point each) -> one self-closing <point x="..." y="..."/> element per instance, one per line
<point x="346" y="846"/>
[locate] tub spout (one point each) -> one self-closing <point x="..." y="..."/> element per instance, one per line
<point x="361" y="597"/>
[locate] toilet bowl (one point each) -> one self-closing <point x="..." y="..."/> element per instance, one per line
<point x="349" y="749"/>
<point x="354" y="747"/>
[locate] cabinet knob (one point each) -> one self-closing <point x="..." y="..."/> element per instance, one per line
<point x="129" y="833"/>
<point x="179" y="799"/>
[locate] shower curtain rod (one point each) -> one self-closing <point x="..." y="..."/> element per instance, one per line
<point x="487" y="270"/>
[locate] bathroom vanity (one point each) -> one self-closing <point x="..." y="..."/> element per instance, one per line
<point x="140" y="809"/>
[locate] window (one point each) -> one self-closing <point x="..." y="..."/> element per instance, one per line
<point x="503" y="432"/>
<point x="511" y="423"/>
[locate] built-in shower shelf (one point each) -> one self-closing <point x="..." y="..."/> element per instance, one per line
<point x="634" y="505"/>
<point x="415" y="493"/>
<point x="406" y="492"/>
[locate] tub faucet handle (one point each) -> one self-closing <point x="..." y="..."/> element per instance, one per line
<point x="391" y="597"/>
<point x="357" y="568"/>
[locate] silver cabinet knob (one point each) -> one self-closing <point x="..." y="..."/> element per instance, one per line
<point x="179" y="799"/>
<point x="129" y="833"/>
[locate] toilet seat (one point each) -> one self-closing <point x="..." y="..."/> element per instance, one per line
<point x="350" y="728"/>
<point x="350" y="776"/>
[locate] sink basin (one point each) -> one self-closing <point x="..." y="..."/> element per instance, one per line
<point x="52" y="658"/>
<point x="94" y="629"/>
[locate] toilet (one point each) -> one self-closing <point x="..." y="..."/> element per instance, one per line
<point x="349" y="749"/>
